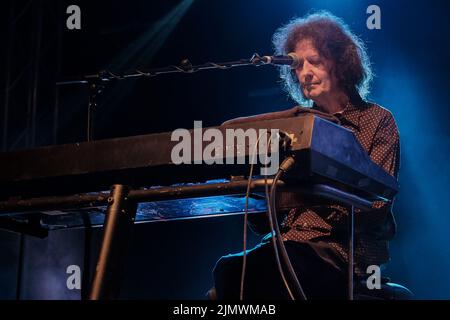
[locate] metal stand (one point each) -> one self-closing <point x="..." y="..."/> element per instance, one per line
<point x="117" y="229"/>
<point x="95" y="88"/>
<point x="121" y="211"/>
<point x="184" y="67"/>
<point x="351" y="235"/>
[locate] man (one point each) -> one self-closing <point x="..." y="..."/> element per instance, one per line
<point x="333" y="76"/>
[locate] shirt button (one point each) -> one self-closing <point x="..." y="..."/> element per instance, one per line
<point x="304" y="224"/>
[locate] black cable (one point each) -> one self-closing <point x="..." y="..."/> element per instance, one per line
<point x="274" y="244"/>
<point x="247" y="194"/>
<point x="244" y="256"/>
<point x="285" y="166"/>
<point x="275" y="231"/>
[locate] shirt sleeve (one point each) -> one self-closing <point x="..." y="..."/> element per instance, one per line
<point x="385" y="151"/>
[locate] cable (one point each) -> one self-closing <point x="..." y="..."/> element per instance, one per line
<point x="285" y="166"/>
<point x="274" y="244"/>
<point x="247" y="194"/>
<point x="269" y="215"/>
<point x="244" y="257"/>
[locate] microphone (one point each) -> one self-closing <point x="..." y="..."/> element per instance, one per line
<point x="290" y="59"/>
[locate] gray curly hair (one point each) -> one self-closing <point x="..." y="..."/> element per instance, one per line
<point x="332" y="39"/>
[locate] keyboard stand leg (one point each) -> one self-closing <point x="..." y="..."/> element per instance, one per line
<point x="118" y="225"/>
<point x="351" y="251"/>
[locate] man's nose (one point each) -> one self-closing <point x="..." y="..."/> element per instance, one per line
<point x="307" y="74"/>
<point x="307" y="77"/>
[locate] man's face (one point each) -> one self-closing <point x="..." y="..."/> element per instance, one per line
<point x="313" y="72"/>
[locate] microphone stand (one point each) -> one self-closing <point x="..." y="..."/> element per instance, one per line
<point x="97" y="82"/>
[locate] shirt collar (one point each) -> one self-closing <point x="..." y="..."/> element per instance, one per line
<point x="350" y="116"/>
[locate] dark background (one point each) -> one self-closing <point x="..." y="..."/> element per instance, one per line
<point x="410" y="56"/>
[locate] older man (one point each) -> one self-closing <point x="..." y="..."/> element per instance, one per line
<point x="332" y="77"/>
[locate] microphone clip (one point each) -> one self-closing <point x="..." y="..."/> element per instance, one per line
<point x="257" y="60"/>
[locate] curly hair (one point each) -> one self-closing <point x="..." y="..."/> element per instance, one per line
<point x="332" y="39"/>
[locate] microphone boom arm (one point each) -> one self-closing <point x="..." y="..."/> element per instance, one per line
<point x="184" y="67"/>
